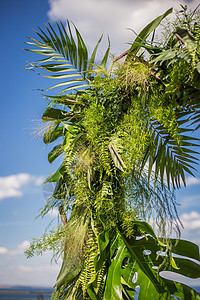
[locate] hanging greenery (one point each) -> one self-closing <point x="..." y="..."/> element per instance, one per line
<point x="126" y="138"/>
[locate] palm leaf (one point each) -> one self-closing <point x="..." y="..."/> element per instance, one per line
<point x="171" y="157"/>
<point x="142" y="36"/>
<point x="105" y="58"/>
<point x="65" y="55"/>
<point x="92" y="59"/>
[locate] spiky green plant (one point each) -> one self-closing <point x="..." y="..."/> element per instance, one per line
<point x="126" y="140"/>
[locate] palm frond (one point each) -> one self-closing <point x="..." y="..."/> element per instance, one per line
<point x="170" y="157"/>
<point x="67" y="57"/>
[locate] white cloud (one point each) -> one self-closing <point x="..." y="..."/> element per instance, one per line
<point x="19" y="249"/>
<point x="191" y="221"/>
<point x="190" y="180"/>
<point x="23" y="246"/>
<point x="38" y="180"/>
<point x="53" y="212"/>
<point x="113" y="17"/>
<point x="40" y="268"/>
<point x="3" y="250"/>
<point x="12" y="185"/>
<point x="42" y="275"/>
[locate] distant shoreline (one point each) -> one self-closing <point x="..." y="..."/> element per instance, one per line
<point x="11" y="292"/>
<point x="7" y="286"/>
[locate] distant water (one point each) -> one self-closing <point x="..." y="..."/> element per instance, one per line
<point x="36" y="297"/>
<point x="24" y="297"/>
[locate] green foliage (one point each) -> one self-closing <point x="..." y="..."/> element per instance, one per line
<point x="52" y="241"/>
<point x="126" y="142"/>
<point x="66" y="58"/>
<point x="128" y="262"/>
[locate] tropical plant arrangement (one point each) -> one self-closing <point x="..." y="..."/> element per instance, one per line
<point x="126" y="138"/>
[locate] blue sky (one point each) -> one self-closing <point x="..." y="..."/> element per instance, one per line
<point x="23" y="157"/>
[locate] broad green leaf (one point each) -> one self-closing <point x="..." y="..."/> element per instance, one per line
<point x="53" y="114"/>
<point x="104" y="240"/>
<point x="185" y="248"/>
<point x="113" y="288"/>
<point x="136" y="249"/>
<point x="57" y="150"/>
<point x="186" y="293"/>
<point x="54" y="177"/>
<point x="145" y="227"/>
<point x="142" y="36"/>
<point x="187" y="267"/>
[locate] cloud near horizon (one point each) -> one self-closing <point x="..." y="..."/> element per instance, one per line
<point x="19" y="250"/>
<point x="12" y="185"/>
<point x="42" y="275"/>
<point x="15" y="268"/>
